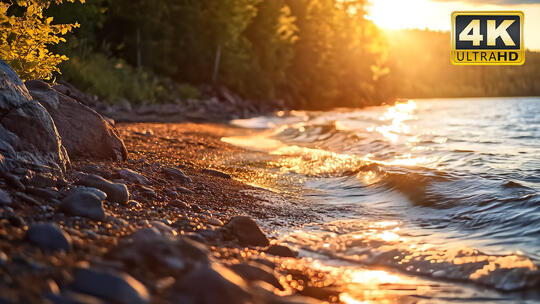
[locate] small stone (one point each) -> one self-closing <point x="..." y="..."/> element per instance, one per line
<point x="48" y="237"/>
<point x="211" y="284"/>
<point x="116" y="192"/>
<point x="282" y="251"/>
<point x="196" y="208"/>
<point x="171" y="193"/>
<point x="16" y="220"/>
<point x="12" y="180"/>
<point x="148" y="192"/>
<point x="42" y="180"/>
<point x="27" y="198"/>
<point x="164" y="283"/>
<point x="3" y="258"/>
<point x="134" y="204"/>
<point x="102" y="195"/>
<point x="5" y="198"/>
<point x="85" y="204"/>
<point x="217" y="173"/>
<point x="45" y="193"/>
<point x="184" y="190"/>
<point x="177" y="174"/>
<point x="246" y="231"/>
<point x="162" y="227"/>
<point x="112" y="287"/>
<point x="214" y="222"/>
<point x="132" y="176"/>
<point x="179" y="204"/>
<point x="252" y="272"/>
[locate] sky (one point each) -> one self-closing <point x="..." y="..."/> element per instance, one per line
<point x="435" y="14"/>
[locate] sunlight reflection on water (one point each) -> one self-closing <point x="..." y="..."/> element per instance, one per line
<point x="445" y="189"/>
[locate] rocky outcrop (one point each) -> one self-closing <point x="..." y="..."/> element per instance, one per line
<point x="84" y="132"/>
<point x="28" y="135"/>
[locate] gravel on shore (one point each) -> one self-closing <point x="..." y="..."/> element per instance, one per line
<point x="165" y="226"/>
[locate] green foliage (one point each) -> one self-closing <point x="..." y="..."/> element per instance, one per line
<point x="24" y="38"/>
<point x="113" y="80"/>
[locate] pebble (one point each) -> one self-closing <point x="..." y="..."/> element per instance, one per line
<point x="133" y="176"/>
<point x="215" y="222"/>
<point x="282" y="251"/>
<point x="102" y="195"/>
<point x="246" y="231"/>
<point x="184" y="190"/>
<point x="211" y="284"/>
<point x="177" y="174"/>
<point x="171" y="193"/>
<point x="85" y="204"/>
<point x="27" y="198"/>
<point x="45" y="193"/>
<point x="148" y="192"/>
<point x="134" y="204"/>
<point x="116" y="192"/>
<point x="112" y="287"/>
<point x="42" y="180"/>
<point x="252" y="272"/>
<point x="48" y="237"/>
<point x="3" y="258"/>
<point x="179" y="204"/>
<point x="12" y="180"/>
<point x="162" y="227"/>
<point x="5" y="198"/>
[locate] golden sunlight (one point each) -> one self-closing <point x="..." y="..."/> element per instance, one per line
<point x="435" y="15"/>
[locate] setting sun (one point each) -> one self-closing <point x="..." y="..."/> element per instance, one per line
<point x="435" y="15"/>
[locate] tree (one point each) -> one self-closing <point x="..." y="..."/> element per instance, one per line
<point x="24" y="38"/>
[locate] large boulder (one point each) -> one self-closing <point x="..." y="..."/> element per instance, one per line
<point x="28" y="135"/>
<point x="84" y="132"/>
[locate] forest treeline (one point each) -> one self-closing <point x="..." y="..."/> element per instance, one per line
<point x="419" y="64"/>
<point x="304" y="54"/>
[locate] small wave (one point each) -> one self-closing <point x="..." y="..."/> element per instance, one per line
<point x="383" y="243"/>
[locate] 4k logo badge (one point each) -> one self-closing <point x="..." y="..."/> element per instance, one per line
<point x="487" y="38"/>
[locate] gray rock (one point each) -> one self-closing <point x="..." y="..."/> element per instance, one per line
<point x="177" y="174"/>
<point x="251" y="272"/>
<point x="179" y="204"/>
<point x="116" y="192"/>
<point x="44" y="192"/>
<point x="37" y="141"/>
<point x="246" y="231"/>
<point x="148" y="249"/>
<point x="102" y="195"/>
<point x="83" y="131"/>
<point x="184" y="190"/>
<point x="282" y="251"/>
<point x="132" y="176"/>
<point x="42" y="180"/>
<point x="13" y="180"/>
<point x="85" y="204"/>
<point x="48" y="237"/>
<point x="217" y="173"/>
<point x="112" y="287"/>
<point x="148" y="192"/>
<point x="5" y="198"/>
<point x="69" y="297"/>
<point x="221" y="286"/>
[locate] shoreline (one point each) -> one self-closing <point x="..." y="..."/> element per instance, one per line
<point x="200" y="209"/>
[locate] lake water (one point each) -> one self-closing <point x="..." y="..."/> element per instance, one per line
<point x="425" y="201"/>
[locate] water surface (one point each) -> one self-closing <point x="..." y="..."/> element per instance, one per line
<point x="424" y="201"/>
